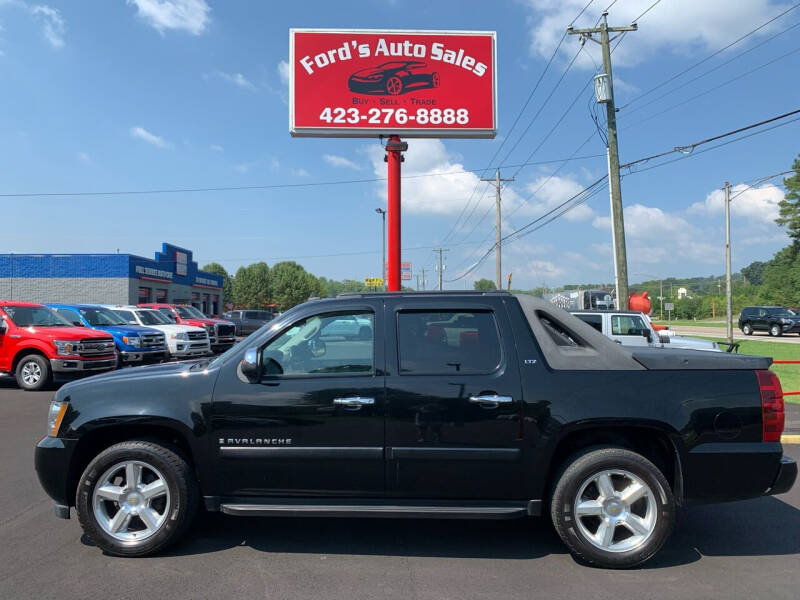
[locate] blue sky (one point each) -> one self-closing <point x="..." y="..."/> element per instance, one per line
<point x="152" y="94"/>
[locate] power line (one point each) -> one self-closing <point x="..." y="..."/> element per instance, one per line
<point x="266" y="186"/>
<point x="592" y="189"/>
<point x="707" y="58"/>
<point x="651" y="7"/>
<point x="690" y="147"/>
<point x="713" y="89"/>
<point x="719" y="66"/>
<point x="513" y="126"/>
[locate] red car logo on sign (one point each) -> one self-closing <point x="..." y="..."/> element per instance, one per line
<point x="393" y="78"/>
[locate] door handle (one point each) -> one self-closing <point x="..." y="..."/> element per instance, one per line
<point x="354" y="402"/>
<point x="491" y="400"/>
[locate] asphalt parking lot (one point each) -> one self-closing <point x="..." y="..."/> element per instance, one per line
<point x="741" y="550"/>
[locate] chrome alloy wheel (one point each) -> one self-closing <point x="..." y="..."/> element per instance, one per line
<point x="31" y="373"/>
<point x="616" y="511"/>
<point x="131" y="501"/>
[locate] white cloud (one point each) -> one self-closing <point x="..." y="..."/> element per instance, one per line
<point x="340" y="161"/>
<point x="84" y="158"/>
<point x="151" y="138"/>
<point x="654" y="236"/>
<point x="236" y="79"/>
<point x="216" y="148"/>
<point x="678" y="26"/>
<point x="53" y="26"/>
<point x="300" y="173"/>
<point x="542" y="269"/>
<point x="552" y="191"/>
<point x="283" y="72"/>
<point x="188" y="15"/>
<point x="758" y="205"/>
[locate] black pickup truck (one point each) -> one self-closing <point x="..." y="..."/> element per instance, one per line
<point x="455" y="405"/>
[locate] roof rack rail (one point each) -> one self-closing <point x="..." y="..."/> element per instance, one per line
<point x="425" y="293"/>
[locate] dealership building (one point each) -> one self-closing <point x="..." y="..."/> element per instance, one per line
<point x="172" y="276"/>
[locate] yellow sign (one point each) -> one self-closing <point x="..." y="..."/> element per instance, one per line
<point x="374" y="281"/>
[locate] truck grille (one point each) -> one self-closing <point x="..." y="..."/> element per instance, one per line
<point x="150" y="340"/>
<point x="197" y="335"/>
<point x="95" y="347"/>
<point x="225" y="330"/>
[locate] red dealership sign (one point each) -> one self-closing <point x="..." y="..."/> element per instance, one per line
<point x="365" y="83"/>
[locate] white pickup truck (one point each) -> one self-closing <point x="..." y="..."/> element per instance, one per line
<point x="631" y="328"/>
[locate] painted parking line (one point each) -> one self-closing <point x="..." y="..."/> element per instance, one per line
<point x="790" y="438"/>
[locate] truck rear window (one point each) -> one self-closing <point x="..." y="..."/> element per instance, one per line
<point x="447" y="342"/>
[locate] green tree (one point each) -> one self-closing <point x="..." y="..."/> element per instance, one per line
<point x="485" y="285"/>
<point x="292" y="284"/>
<point x="754" y="272"/>
<point x="227" y="285"/>
<point x="782" y="278"/>
<point x="790" y="205"/>
<point x="251" y="286"/>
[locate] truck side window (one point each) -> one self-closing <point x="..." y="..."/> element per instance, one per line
<point x="627" y="325"/>
<point x="324" y="344"/>
<point x="445" y="342"/>
<point x="595" y="321"/>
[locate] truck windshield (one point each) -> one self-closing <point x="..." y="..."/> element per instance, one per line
<point x="100" y="317"/>
<point x="35" y="316"/>
<point x="189" y="312"/>
<point x="152" y="317"/>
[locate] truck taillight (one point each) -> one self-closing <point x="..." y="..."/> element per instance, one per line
<point x="772" y="409"/>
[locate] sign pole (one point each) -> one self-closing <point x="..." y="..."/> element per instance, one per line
<point x="393" y="158"/>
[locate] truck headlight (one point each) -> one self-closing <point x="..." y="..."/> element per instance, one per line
<point x="180" y="336"/>
<point x="55" y="415"/>
<point x="132" y="340"/>
<point x="67" y="347"/>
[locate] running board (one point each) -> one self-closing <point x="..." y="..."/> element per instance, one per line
<point x="390" y="509"/>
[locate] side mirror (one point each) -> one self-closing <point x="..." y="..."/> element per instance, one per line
<point x="647" y="335"/>
<point x="78" y="324"/>
<point x="132" y="323"/>
<point x="2" y="326"/>
<point x="251" y="364"/>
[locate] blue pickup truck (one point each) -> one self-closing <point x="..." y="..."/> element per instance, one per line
<point x="135" y="344"/>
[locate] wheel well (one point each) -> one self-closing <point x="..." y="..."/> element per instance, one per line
<point x="94" y="442"/>
<point x="651" y="443"/>
<point x="26" y="352"/>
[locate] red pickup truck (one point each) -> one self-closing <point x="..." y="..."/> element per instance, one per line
<point x="222" y="334"/>
<point x="37" y="343"/>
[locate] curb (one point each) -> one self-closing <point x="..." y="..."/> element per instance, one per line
<point x="790" y="438"/>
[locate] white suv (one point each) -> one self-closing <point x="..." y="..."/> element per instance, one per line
<point x="184" y="341"/>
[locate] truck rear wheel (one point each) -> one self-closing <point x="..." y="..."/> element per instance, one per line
<point x="33" y="373"/>
<point x="612" y="507"/>
<point x="136" y="497"/>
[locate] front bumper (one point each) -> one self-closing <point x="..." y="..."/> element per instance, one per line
<point x="787" y="475"/>
<point x="79" y="365"/>
<point x="185" y="349"/>
<point x="52" y="459"/>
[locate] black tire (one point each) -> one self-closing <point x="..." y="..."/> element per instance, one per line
<point x="181" y="483"/>
<point x="775" y="330"/>
<point x="747" y="329"/>
<point x="33" y="373"/>
<point x="581" y="467"/>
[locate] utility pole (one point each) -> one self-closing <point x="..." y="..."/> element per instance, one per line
<point x="728" y="308"/>
<point x="497" y="181"/>
<point x="382" y="213"/>
<point x="604" y="89"/>
<point x="441" y="267"/>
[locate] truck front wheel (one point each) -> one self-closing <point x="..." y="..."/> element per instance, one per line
<point x="33" y="373"/>
<point x="612" y="507"/>
<point x="136" y="497"/>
